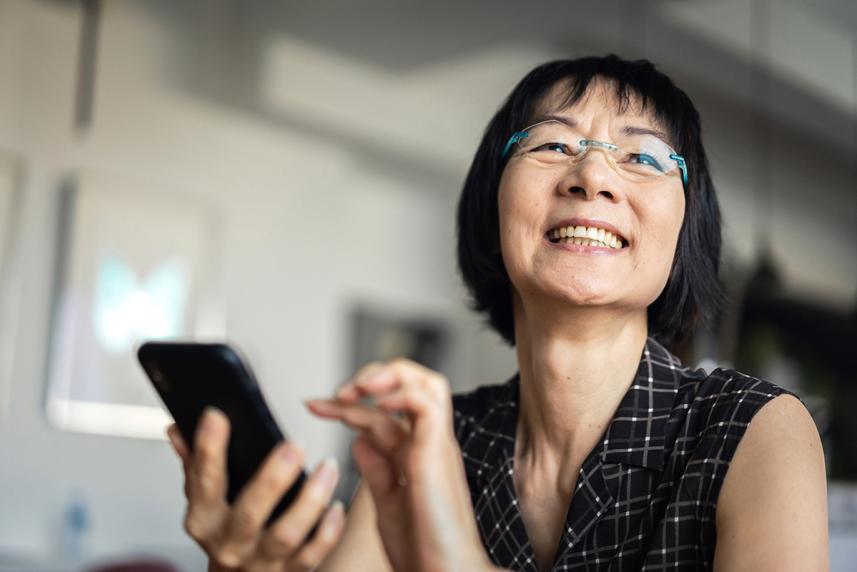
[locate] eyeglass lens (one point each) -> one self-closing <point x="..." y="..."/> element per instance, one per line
<point x="553" y="142"/>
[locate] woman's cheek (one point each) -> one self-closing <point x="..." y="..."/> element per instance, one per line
<point x="512" y="256"/>
<point x="664" y="256"/>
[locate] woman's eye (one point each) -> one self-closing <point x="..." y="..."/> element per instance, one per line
<point x="556" y="147"/>
<point x="644" y="159"/>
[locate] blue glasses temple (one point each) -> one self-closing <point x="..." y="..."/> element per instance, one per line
<point x="516" y="136"/>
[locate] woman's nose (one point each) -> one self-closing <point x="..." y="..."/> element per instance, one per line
<point x="591" y="176"/>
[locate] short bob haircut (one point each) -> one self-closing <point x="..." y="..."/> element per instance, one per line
<point x="693" y="292"/>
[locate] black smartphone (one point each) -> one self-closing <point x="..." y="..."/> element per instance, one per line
<point x="192" y="376"/>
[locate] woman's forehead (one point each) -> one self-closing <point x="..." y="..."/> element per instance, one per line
<point x="601" y="92"/>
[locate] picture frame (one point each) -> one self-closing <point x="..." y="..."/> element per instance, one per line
<point x="135" y="262"/>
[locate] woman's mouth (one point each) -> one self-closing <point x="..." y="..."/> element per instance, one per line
<point x="586" y="236"/>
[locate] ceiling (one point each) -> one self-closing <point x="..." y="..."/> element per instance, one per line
<point x="792" y="61"/>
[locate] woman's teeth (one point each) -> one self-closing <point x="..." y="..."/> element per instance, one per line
<point x="586" y="236"/>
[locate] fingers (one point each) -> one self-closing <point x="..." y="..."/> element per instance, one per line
<point x="236" y="536"/>
<point x="386" y="432"/>
<point x="379" y="474"/>
<point x="407" y="387"/>
<point x="325" y="538"/>
<point x="206" y="477"/>
<point x="257" y="499"/>
<point x="408" y="398"/>
<point x="177" y="441"/>
<point x="381" y="379"/>
<point x="178" y="444"/>
<point x="289" y="531"/>
<point x="350" y="392"/>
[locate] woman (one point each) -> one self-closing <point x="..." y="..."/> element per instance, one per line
<point x="589" y="234"/>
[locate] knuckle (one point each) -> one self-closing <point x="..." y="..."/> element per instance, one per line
<point x="438" y="381"/>
<point x="227" y="556"/>
<point x="245" y="521"/>
<point x="440" y="390"/>
<point x="206" y="449"/>
<point x="195" y="526"/>
<point x="207" y="478"/>
<point x="275" y="479"/>
<point x="441" y="381"/>
<point x="308" y="558"/>
<point x="285" y="541"/>
<point x="203" y="458"/>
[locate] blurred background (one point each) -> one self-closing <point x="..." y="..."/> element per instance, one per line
<point x="284" y="175"/>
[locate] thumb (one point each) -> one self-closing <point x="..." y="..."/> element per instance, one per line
<point x="377" y="470"/>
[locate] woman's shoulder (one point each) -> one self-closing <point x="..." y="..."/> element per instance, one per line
<point x="713" y="412"/>
<point x="727" y="395"/>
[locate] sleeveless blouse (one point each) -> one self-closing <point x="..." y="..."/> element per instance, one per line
<point x="646" y="495"/>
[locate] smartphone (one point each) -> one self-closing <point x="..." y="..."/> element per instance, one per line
<point x="192" y="376"/>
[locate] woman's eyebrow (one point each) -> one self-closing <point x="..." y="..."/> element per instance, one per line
<point x="631" y="130"/>
<point x="550" y="116"/>
<point x="627" y="130"/>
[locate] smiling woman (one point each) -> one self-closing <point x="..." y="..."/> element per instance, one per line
<point x="649" y="112"/>
<point x="589" y="234"/>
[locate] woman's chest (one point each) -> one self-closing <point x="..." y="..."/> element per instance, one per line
<point x="544" y="516"/>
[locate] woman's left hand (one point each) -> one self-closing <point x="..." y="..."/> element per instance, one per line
<point x="412" y="465"/>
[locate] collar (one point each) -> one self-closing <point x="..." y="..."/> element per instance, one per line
<point x="636" y="434"/>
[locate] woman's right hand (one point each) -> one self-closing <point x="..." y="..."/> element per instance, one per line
<point x="234" y="536"/>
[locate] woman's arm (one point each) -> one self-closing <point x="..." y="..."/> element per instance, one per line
<point x="360" y="547"/>
<point x="772" y="509"/>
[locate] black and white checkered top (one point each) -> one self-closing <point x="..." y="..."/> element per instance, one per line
<point x="646" y="496"/>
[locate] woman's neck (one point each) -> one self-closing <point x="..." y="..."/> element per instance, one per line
<point x="575" y="367"/>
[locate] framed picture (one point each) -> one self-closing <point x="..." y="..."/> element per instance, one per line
<point x="136" y="263"/>
<point x="383" y="333"/>
<point x="11" y="175"/>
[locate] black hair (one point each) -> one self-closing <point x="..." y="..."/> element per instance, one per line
<point x="693" y="292"/>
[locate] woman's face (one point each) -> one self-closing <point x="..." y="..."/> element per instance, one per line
<point x="537" y="200"/>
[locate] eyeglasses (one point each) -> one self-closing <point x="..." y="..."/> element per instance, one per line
<point x="638" y="157"/>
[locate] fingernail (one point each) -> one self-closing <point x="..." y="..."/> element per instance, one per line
<point x="327" y="471"/>
<point x="321" y="404"/>
<point x="287" y="455"/>
<point x="211" y="416"/>
<point x="337" y="513"/>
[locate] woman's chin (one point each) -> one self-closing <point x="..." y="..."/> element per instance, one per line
<point x="586" y="294"/>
